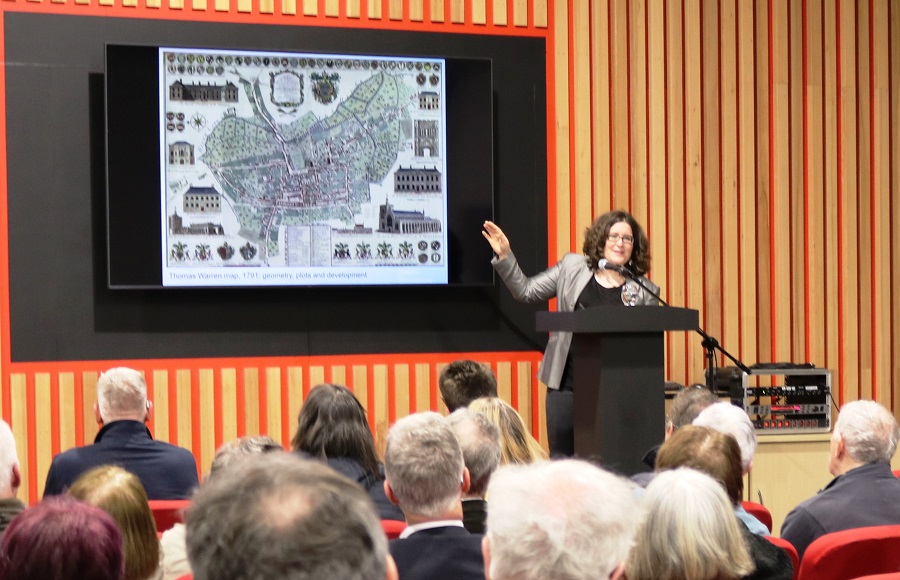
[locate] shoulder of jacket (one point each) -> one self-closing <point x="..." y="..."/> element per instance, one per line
<point x="573" y="258"/>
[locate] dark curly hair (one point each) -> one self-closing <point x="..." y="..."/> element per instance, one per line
<point x="596" y="235"/>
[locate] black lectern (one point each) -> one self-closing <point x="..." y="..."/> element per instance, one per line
<point x="618" y="361"/>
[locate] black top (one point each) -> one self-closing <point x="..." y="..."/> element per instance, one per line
<point x="769" y="561"/>
<point x="373" y="483"/>
<point x="474" y="515"/>
<point x="596" y="295"/>
<point x="593" y="295"/>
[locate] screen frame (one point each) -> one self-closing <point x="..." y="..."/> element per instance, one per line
<point x="129" y="82"/>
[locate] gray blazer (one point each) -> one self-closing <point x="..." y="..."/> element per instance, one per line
<point x="566" y="280"/>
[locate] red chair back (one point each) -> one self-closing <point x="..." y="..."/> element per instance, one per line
<point x="760" y="512"/>
<point x="852" y="553"/>
<point x="790" y="549"/>
<point x="168" y="512"/>
<point x="393" y="528"/>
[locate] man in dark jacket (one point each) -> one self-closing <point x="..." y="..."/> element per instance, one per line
<point x="864" y="491"/>
<point x="166" y="471"/>
<point x="426" y="477"/>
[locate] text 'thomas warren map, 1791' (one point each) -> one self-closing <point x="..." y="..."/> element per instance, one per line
<point x="302" y="169"/>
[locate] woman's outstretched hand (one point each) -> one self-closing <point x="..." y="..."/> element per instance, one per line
<point x="496" y="238"/>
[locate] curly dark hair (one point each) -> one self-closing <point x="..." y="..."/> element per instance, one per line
<point x="595" y="241"/>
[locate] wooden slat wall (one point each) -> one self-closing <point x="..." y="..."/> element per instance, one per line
<point x="757" y="140"/>
<point x="759" y="144"/>
<point x="201" y="404"/>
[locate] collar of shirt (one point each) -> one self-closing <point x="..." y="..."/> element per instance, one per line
<point x="410" y="530"/>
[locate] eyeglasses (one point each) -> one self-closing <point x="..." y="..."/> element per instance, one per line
<point x="614" y="238"/>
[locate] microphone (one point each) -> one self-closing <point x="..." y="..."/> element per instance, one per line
<point x="604" y="264"/>
<point x="709" y="344"/>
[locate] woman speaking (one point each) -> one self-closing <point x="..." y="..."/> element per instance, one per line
<point x="613" y="242"/>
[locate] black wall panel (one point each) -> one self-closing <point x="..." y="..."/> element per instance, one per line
<point x="60" y="306"/>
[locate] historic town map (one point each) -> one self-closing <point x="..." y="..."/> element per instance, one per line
<point x="302" y="169"/>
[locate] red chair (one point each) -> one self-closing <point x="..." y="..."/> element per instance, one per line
<point x="393" y="528"/>
<point x="168" y="512"/>
<point x="760" y="512"/>
<point x="790" y="549"/>
<point x="188" y="576"/>
<point x="852" y="553"/>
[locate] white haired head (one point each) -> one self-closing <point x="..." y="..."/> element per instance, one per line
<point x="566" y="520"/>
<point x="9" y="462"/>
<point x="731" y="420"/>
<point x="122" y="394"/>
<point x="423" y="464"/>
<point x="869" y="431"/>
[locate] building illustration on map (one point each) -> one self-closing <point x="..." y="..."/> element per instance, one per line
<point x="315" y="161"/>
<point x="180" y="91"/>
<point x="202" y="200"/>
<point x="405" y="222"/>
<point x="181" y="153"/>
<point x="417" y="180"/>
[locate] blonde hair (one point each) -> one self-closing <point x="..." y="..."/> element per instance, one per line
<point x="516" y="443"/>
<point x="689" y="531"/>
<point x="121" y="494"/>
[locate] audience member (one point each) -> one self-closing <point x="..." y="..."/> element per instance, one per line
<point x="565" y="520"/>
<point x="718" y="456"/>
<point x="10" y="505"/>
<point x="166" y="471"/>
<point x="278" y="517"/>
<point x="516" y="443"/>
<point x="864" y="491"/>
<point x="463" y="381"/>
<point x="733" y="420"/>
<point x="689" y="531"/>
<point x="686" y="405"/>
<point x="480" y="443"/>
<point x="121" y="495"/>
<point x="426" y="477"/>
<point x="333" y="428"/>
<point x="172" y="543"/>
<point x="63" y="539"/>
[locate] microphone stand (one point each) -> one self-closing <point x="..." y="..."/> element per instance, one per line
<point x="710" y="344"/>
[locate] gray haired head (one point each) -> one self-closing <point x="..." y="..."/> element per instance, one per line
<point x="423" y="464"/>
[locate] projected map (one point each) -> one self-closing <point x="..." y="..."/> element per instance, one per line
<point x="302" y="169"/>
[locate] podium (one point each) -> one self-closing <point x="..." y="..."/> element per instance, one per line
<point x="618" y="363"/>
